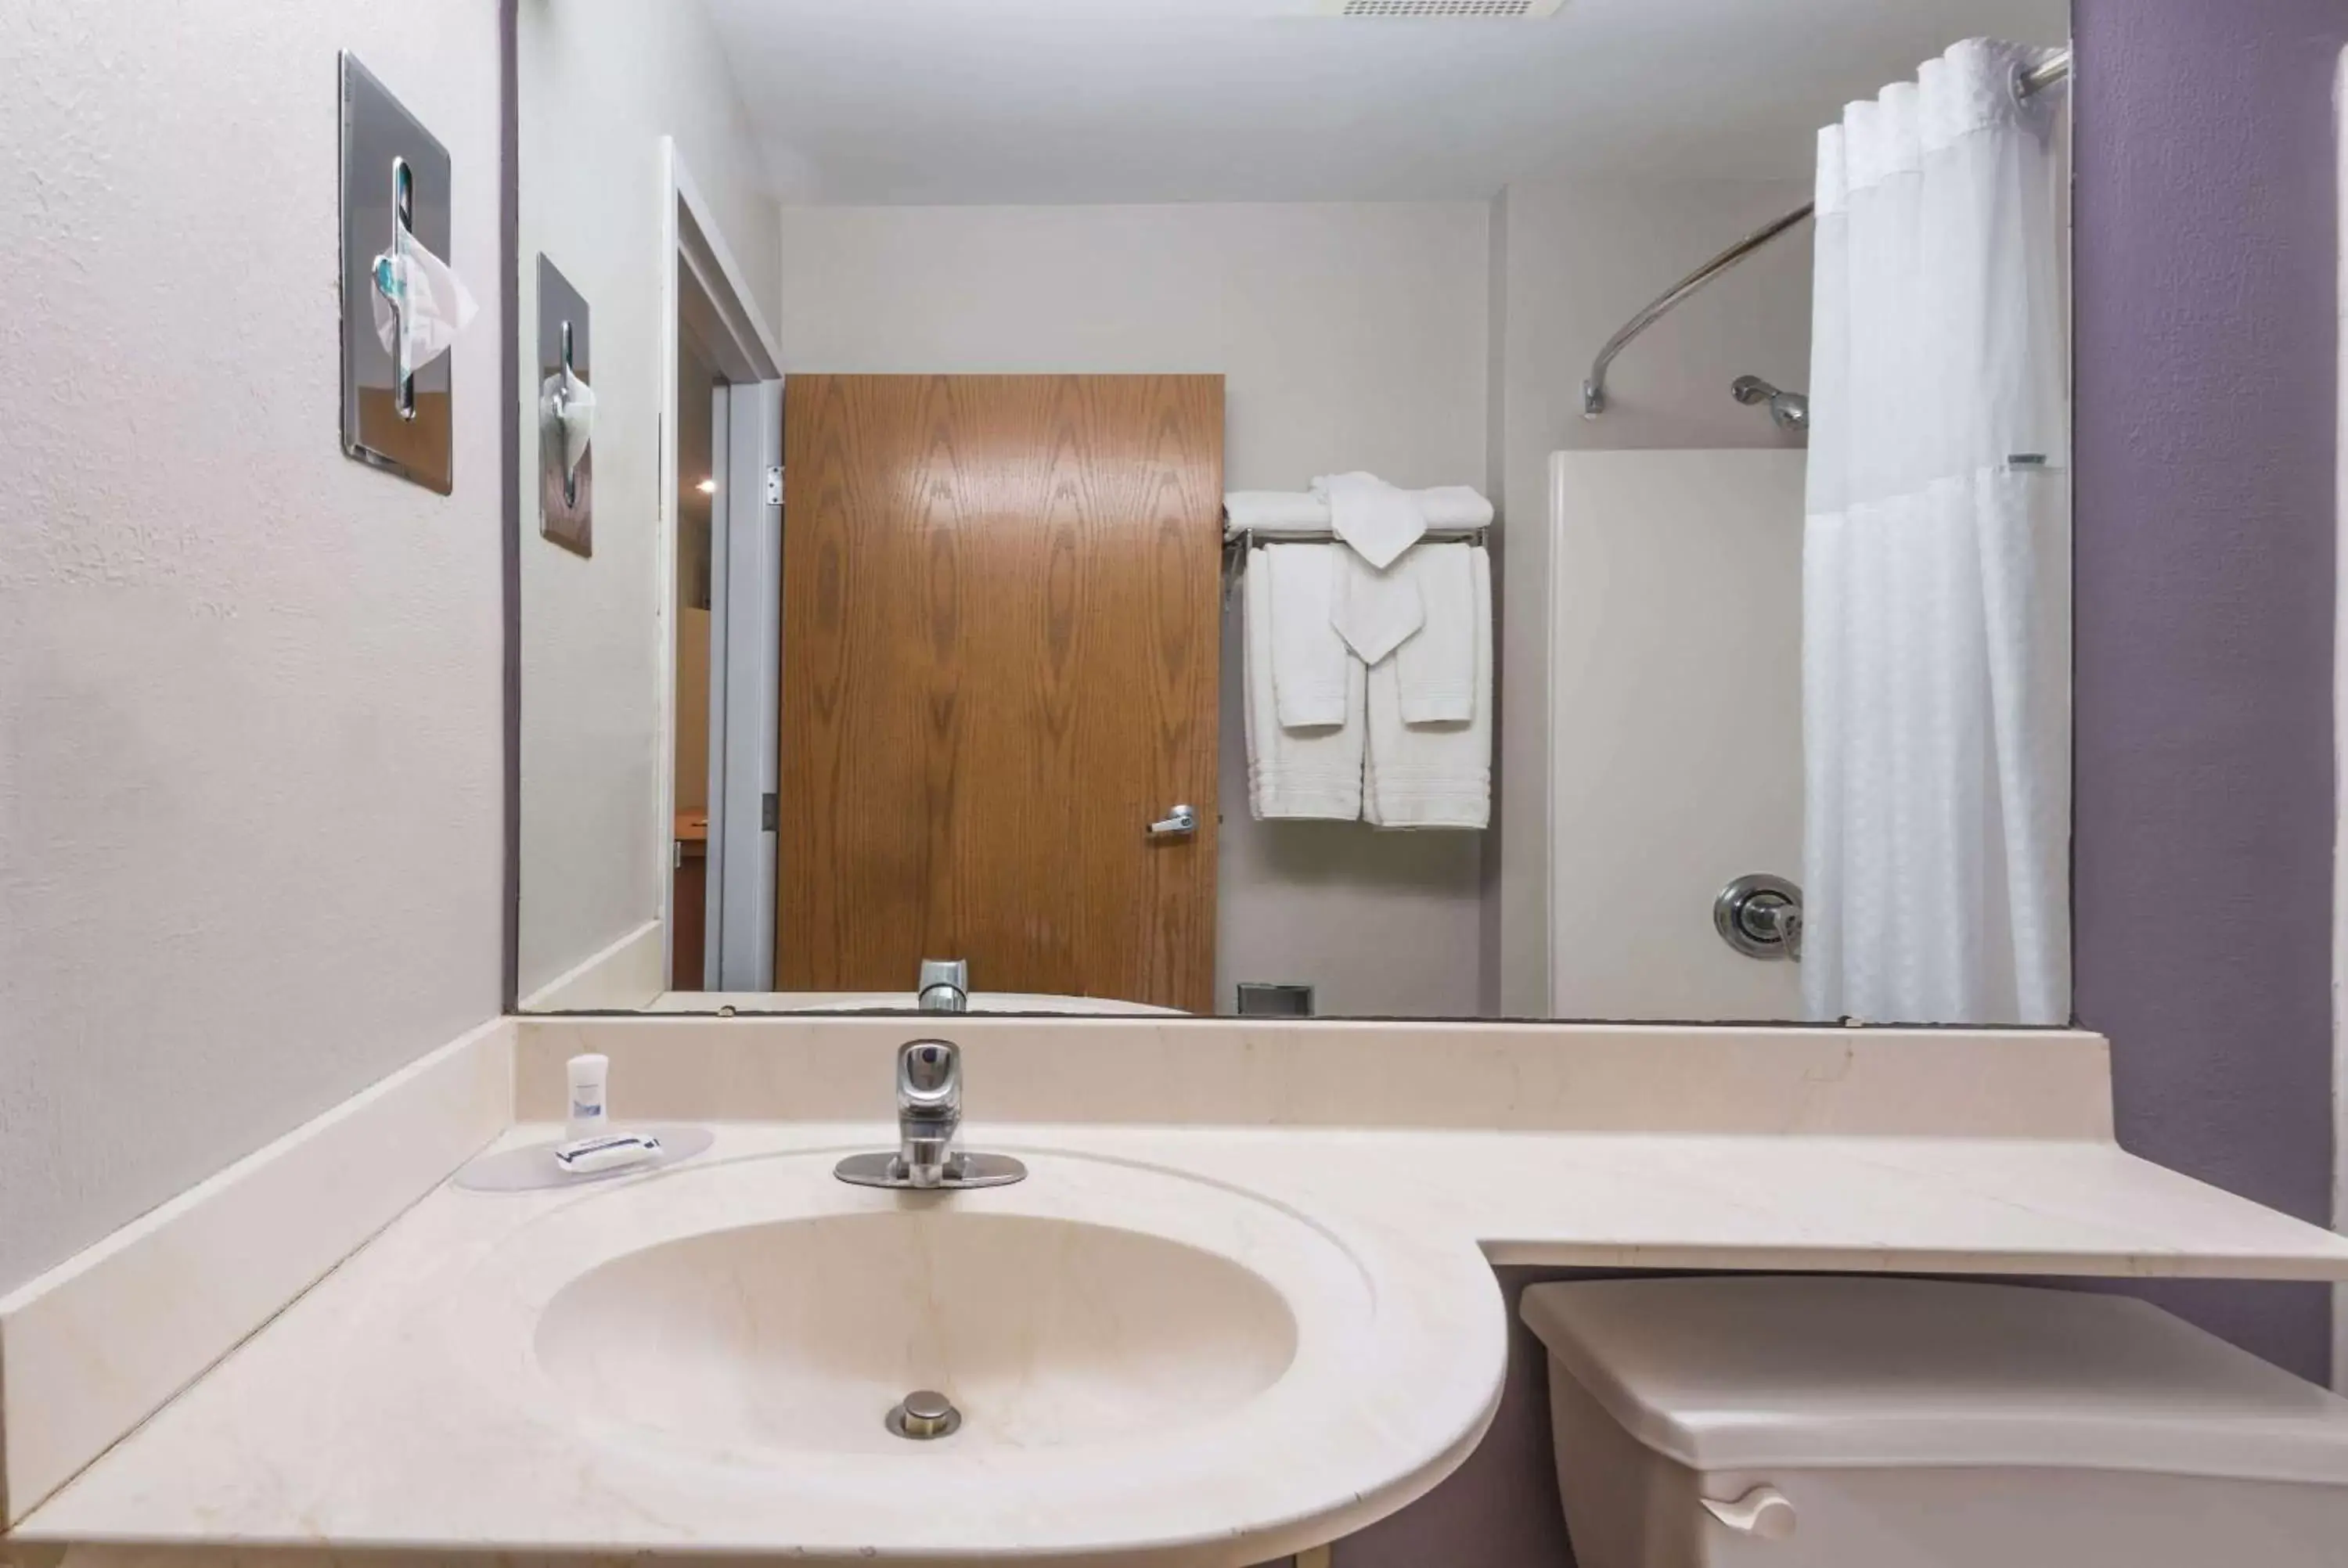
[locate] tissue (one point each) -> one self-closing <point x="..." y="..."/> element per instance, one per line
<point x="566" y="412"/>
<point x="438" y="305"/>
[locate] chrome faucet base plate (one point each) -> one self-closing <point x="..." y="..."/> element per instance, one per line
<point x="961" y="1172"/>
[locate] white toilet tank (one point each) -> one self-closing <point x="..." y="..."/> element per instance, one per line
<point x="1830" y="1422"/>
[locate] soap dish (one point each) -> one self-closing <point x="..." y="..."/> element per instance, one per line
<point x="531" y="1168"/>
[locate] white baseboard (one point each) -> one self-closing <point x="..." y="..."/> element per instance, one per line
<point x="630" y="973"/>
<point x="102" y="1341"/>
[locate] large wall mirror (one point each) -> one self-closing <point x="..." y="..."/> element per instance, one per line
<point x="1218" y="507"/>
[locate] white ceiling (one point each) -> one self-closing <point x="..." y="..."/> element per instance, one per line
<point x="911" y="101"/>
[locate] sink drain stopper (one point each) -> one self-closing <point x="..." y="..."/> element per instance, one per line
<point x="922" y="1415"/>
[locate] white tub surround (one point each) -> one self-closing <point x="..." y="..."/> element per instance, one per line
<point x="440" y="1391"/>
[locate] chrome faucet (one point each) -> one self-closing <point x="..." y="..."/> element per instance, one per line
<point x="929" y="1120"/>
<point x="944" y="985"/>
<point x="929" y="1108"/>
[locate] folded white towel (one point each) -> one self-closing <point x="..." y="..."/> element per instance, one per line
<point x="1454" y="507"/>
<point x="1444" y="506"/>
<point x="1434" y="774"/>
<point x="1371" y="515"/>
<point x="1435" y="671"/>
<point x="1306" y="773"/>
<point x="1275" y="509"/>
<point x="1375" y="611"/>
<point x="1309" y="678"/>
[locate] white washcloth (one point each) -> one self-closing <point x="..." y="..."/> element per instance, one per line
<point x="1435" y="671"/>
<point x="1444" y="506"/>
<point x="1309" y="678"/>
<point x="1371" y="515"/>
<point x="1295" y="773"/>
<point x="1439" y="775"/>
<point x="1373" y="611"/>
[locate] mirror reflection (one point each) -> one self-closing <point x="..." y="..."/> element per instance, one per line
<point x="1236" y="507"/>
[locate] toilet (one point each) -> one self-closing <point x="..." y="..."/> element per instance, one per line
<point x="1830" y="1422"/>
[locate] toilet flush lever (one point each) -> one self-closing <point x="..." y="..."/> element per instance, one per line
<point x="1764" y="1511"/>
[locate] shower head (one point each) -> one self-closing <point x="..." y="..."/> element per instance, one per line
<point x="1790" y="410"/>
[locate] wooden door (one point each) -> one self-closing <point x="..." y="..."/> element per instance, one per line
<point x="1000" y="641"/>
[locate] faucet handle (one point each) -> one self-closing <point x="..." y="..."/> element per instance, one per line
<point x="929" y="1078"/>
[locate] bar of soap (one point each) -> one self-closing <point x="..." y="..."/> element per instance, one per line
<point x="609" y="1152"/>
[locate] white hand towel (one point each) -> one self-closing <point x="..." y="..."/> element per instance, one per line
<point x="1435" y="671"/>
<point x="1439" y="775"/>
<point x="1371" y="515"/>
<point x="1373" y="611"/>
<point x="1307" y="773"/>
<point x="1309" y="674"/>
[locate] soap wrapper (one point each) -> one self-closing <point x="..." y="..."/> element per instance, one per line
<point x="607" y="1151"/>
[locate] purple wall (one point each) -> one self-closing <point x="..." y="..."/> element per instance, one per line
<point x="2207" y="371"/>
<point x="1500" y="1509"/>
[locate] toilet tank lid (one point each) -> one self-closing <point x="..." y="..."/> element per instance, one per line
<point x="1751" y="1371"/>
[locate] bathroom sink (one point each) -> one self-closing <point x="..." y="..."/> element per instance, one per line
<point x="758" y="1315"/>
<point x="1152" y="1368"/>
<point x="802" y="1333"/>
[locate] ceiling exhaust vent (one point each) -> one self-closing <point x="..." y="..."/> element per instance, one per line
<point x="1501" y="8"/>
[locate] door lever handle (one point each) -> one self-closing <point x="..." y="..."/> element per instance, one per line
<point x="1185" y="819"/>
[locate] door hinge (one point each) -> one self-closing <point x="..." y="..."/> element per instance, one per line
<point x="775" y="485"/>
<point x="766" y="809"/>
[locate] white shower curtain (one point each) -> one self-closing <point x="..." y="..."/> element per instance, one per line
<point x="1936" y="575"/>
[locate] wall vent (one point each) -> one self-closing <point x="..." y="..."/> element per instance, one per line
<point x="1504" y="8"/>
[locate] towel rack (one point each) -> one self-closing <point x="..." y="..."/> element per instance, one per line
<point x="1237" y="542"/>
<point x="1248" y="538"/>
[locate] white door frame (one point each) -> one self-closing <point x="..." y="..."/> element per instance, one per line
<point x="745" y="579"/>
<point x="698" y="268"/>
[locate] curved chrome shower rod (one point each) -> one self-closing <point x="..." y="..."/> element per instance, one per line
<point x="2030" y="80"/>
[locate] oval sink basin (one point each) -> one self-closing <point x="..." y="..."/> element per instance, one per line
<point x="1146" y="1367"/>
<point x="801" y="1333"/>
<point x="759" y="1314"/>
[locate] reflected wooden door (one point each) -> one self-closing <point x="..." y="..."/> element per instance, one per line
<point x="999" y="650"/>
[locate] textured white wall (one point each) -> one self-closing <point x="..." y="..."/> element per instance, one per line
<point x="249" y="817"/>
<point x="600" y="82"/>
<point x="1349" y="336"/>
<point x="1580" y="259"/>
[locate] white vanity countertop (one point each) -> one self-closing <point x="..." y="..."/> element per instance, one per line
<point x="177" y="1390"/>
<point x="349" y="1421"/>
